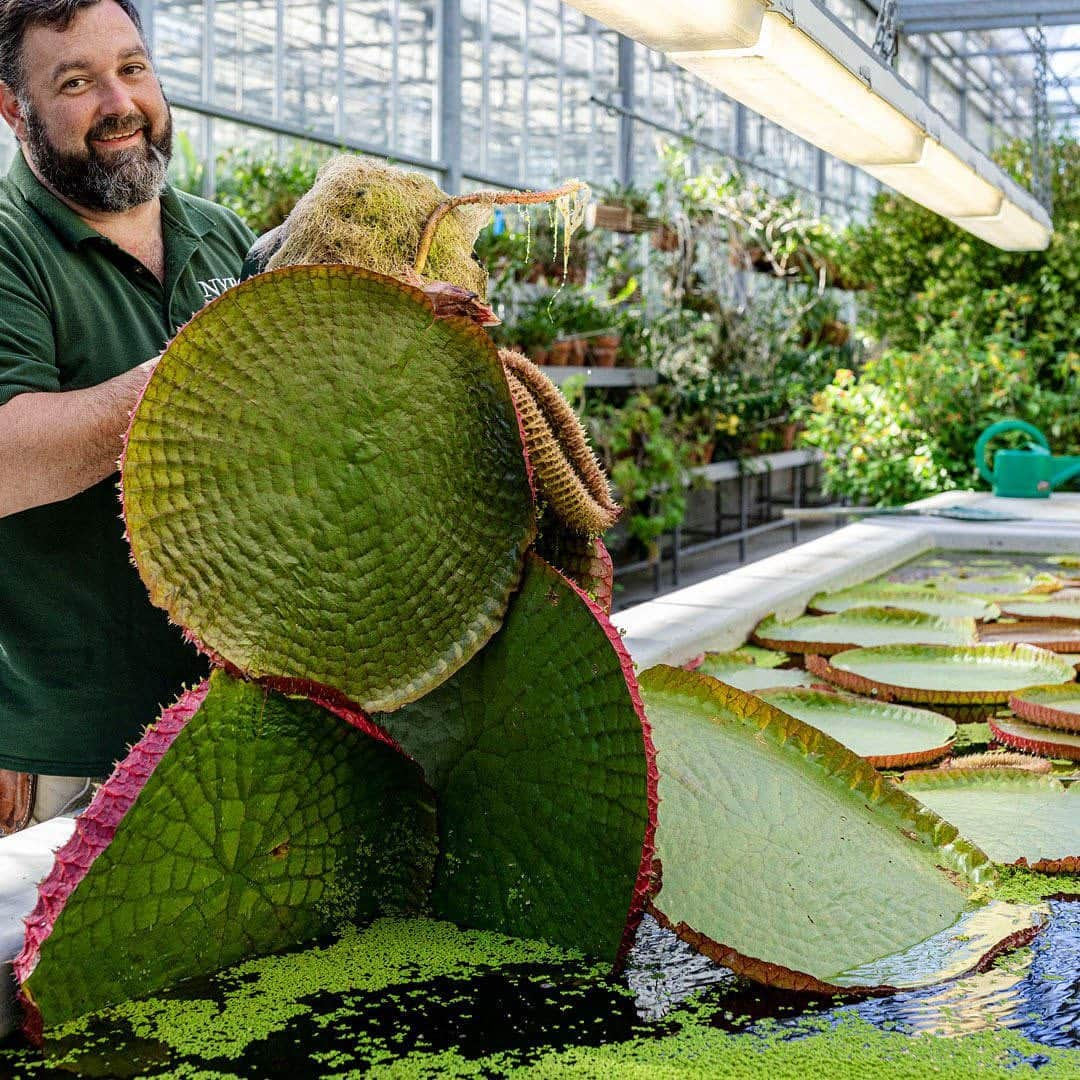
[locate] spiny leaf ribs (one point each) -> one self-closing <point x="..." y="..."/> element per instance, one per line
<point x="567" y="473"/>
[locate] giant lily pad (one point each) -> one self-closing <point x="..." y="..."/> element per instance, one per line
<point x="1062" y="637"/>
<point x="1046" y="607"/>
<point x="906" y="597"/>
<point x="1015" y="817"/>
<point x="788" y="858"/>
<point x="267" y="822"/>
<point x="541" y="758"/>
<point x="373" y="551"/>
<point x="1009" y="585"/>
<point x="1050" y="706"/>
<point x="1036" y="739"/>
<point x="943" y="674"/>
<point x="743" y="670"/>
<point x="887" y="736"/>
<point x="828" y="634"/>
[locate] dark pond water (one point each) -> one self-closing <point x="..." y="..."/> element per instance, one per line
<point x="519" y="1010"/>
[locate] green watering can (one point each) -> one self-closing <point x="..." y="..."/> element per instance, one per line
<point x="1030" y="473"/>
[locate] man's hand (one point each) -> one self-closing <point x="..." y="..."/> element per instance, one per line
<point x="54" y="445"/>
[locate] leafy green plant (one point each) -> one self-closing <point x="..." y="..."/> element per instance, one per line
<point x="262" y="189"/>
<point x="647" y="465"/>
<point x="875" y="451"/>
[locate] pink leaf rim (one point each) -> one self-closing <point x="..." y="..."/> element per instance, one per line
<point x="94" y="830"/>
<point x="644" y="884"/>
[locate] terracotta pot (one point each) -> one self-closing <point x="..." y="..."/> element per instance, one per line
<point x="789" y="434"/>
<point x="665" y="238"/>
<point x="579" y="347"/>
<point x="606" y="341"/>
<point x="538" y="355"/>
<point x="559" y="354"/>
<point x="600" y="356"/>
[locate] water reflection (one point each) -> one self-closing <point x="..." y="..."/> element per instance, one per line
<point x="1035" y="991"/>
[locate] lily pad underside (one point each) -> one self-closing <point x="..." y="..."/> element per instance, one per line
<point x="887" y="736"/>
<point x="542" y="761"/>
<point x="943" y="674"/>
<point x="746" y="671"/>
<point x="242" y="823"/>
<point x="1034" y="739"/>
<point x="907" y="598"/>
<point x="1015" y="817"/>
<point x="372" y="552"/>
<point x="1049" y="706"/>
<point x="788" y="858"/>
<point x="829" y="634"/>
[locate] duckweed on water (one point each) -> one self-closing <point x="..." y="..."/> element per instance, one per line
<point x="415" y="998"/>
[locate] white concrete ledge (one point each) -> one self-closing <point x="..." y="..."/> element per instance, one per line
<point x="720" y="613"/>
<point x="25" y="858"/>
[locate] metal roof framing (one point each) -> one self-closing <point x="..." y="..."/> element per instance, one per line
<point x="946" y="16"/>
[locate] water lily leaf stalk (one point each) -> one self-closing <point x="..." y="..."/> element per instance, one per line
<point x="570" y="201"/>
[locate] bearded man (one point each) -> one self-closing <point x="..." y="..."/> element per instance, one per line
<point x="101" y="261"/>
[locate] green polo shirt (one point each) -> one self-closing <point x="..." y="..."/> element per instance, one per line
<point x="85" y="660"/>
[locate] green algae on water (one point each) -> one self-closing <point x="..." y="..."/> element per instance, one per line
<point x="1028" y="887"/>
<point x="261" y="996"/>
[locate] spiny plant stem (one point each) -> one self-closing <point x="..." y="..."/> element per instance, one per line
<point x="496" y="198"/>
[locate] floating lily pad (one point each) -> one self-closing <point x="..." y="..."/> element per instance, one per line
<point x="764" y="658"/>
<point x="1051" y="706"/>
<point x="739" y="668"/>
<point x="325" y="485"/>
<point x="828" y="634"/>
<point x="788" y="858"/>
<point x="943" y="674"/>
<point x="242" y="823"/>
<point x="907" y="597"/>
<point x="541" y="759"/>
<point x="1048" y="607"/>
<point x="1035" y="739"/>
<point x="1071" y="562"/>
<point x="1015" y="817"/>
<point x="887" y="736"/>
<point x="990" y="585"/>
<point x="1061" y="637"/>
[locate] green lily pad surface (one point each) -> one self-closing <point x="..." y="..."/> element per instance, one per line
<point x="541" y="761"/>
<point x="741" y="669"/>
<point x="1070" y="562"/>
<point x="1050" y="706"/>
<point x="828" y="634"/>
<point x="1015" y="817"/>
<point x="325" y="485"/>
<point x="1036" y="739"/>
<point x="908" y="598"/>
<point x="887" y="736"/>
<point x="1008" y="586"/>
<point x="1048" y="607"/>
<point x="267" y="822"/>
<point x="783" y="854"/>
<point x="977" y="674"/>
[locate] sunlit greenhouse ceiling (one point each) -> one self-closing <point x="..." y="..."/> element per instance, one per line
<point x="521" y="92"/>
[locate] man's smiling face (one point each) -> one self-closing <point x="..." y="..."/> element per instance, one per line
<point x="94" y="121"/>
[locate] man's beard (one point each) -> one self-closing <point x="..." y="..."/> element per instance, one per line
<point x="111" y="182"/>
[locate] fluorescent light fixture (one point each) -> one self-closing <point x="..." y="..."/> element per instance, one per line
<point x="666" y="25"/>
<point x="1010" y="228"/>
<point x="793" y="62"/>
<point x="942" y="183"/>
<point x="797" y="84"/>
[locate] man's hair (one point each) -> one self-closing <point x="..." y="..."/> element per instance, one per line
<point x="17" y="16"/>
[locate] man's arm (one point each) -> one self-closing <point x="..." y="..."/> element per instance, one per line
<point x="55" y="444"/>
